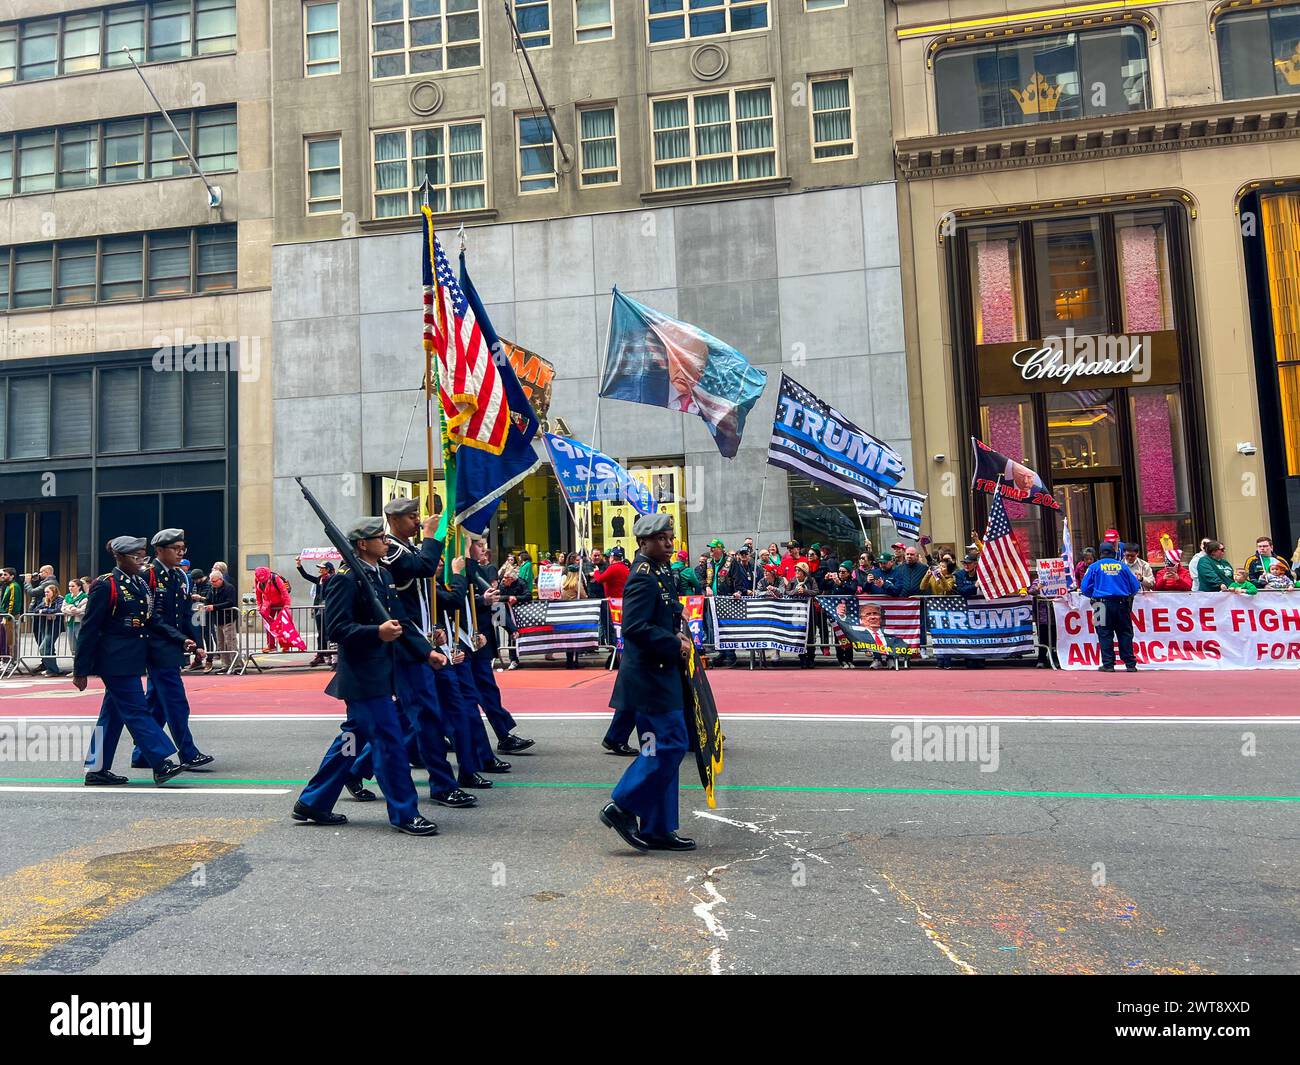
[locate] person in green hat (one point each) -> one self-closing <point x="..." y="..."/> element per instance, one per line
<point x="717" y="581"/>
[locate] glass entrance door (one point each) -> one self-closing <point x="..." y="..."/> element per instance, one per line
<point x="33" y="535"/>
<point x="1090" y="509"/>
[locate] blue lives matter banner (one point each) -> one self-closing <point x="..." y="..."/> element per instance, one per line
<point x="757" y="623"/>
<point x="979" y="628"/>
<point x="587" y="475"/>
<point x="812" y="438"/>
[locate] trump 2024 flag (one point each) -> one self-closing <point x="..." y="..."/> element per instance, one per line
<point x="659" y="361"/>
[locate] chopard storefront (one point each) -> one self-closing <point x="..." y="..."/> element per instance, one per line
<point x="1076" y="352"/>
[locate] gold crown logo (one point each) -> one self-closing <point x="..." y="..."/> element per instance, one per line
<point x="1290" y="68"/>
<point x="1039" y="98"/>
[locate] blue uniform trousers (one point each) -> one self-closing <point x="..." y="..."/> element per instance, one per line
<point x="165" y="694"/>
<point x="459" y="698"/>
<point x="648" y="787"/>
<point x="373" y="721"/>
<point x="1116" y="613"/>
<point x="620" y="728"/>
<point x="425" y="734"/>
<point x="489" y="695"/>
<point x="124" y="704"/>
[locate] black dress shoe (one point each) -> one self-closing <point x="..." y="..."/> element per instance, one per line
<point x="619" y="748"/>
<point x="418" y="826"/>
<point x="624" y="824"/>
<point x="166" y="771"/>
<point x="496" y="766"/>
<point x="1106" y="669"/>
<point x="670" y="842"/>
<point x="455" y="799"/>
<point x="1130" y="669"/>
<point x="103" y="778"/>
<point x="473" y="780"/>
<point x="197" y="762"/>
<point x="513" y="744"/>
<point x="359" y="791"/>
<point x="303" y="812"/>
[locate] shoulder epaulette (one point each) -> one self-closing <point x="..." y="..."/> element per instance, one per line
<point x="343" y="568"/>
<point x="644" y="567"/>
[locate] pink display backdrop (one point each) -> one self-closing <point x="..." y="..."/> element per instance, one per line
<point x="996" y="291"/>
<point x="1144" y="307"/>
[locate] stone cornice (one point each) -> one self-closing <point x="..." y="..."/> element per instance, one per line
<point x="1229" y="122"/>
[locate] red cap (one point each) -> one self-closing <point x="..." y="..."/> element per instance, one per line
<point x="1112" y="536"/>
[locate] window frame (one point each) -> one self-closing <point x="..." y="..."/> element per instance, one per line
<point x="694" y="157"/>
<point x="520" y="117"/>
<point x="413" y="191"/>
<point x="822" y="6"/>
<point x="308" y="198"/>
<point x="307" y="35"/>
<point x="583" y="171"/>
<point x="405" y="51"/>
<point x="1266" y="9"/>
<point x="813" y="143"/>
<point x="612" y="24"/>
<point x="548" y="33"/>
<point x="725" y="6"/>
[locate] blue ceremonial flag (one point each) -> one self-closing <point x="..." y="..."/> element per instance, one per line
<point x="586" y="474"/>
<point x="812" y="438"/>
<point x="662" y="362"/>
<point x="482" y="477"/>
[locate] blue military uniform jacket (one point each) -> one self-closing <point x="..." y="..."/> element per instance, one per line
<point x="649" y="672"/>
<point x="118" y="628"/>
<point x="174" y="612"/>
<point x="410" y="567"/>
<point x="366" y="664"/>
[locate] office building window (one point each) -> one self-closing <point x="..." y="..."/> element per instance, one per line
<point x="823" y="5"/>
<point x="72" y="157"/>
<point x="832" y="118"/>
<point x="598" y="147"/>
<point x="680" y="20"/>
<point x="423" y="36"/>
<point x="593" y="20"/>
<point x="320" y="25"/>
<point x="1042" y="79"/>
<point x="1259" y="52"/>
<point x="536" y="154"/>
<point x="160" y="30"/>
<point x="324" y="175"/>
<point x="450" y="156"/>
<point x="533" y="17"/>
<point x="713" y="138"/>
<point x="109" y="269"/>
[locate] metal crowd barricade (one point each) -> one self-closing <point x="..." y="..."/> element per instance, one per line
<point x="253" y="639"/>
<point x="8" y="645"/>
<point x="41" y="636"/>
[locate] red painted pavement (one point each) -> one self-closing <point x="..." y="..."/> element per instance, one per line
<point x="922" y="690"/>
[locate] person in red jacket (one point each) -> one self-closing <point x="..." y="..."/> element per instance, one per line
<point x="1174" y="576"/>
<point x="793" y="556"/>
<point x="613" y="578"/>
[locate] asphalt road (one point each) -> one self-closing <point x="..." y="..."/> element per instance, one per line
<point x="810" y="863"/>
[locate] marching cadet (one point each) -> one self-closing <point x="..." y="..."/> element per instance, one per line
<point x="417" y="695"/>
<point x="365" y="679"/>
<point x="457" y="691"/>
<point x="174" y="611"/>
<point x="111" y="645"/>
<point x="649" y="679"/>
<point x="486" y="595"/>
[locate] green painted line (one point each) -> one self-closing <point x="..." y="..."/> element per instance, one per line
<point x="955" y="793"/>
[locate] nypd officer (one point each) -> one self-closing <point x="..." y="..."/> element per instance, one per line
<point x="114" y="634"/>
<point x="174" y="611"/>
<point x="1111" y="586"/>
<point x="366" y="680"/>
<point x="649" y="679"/>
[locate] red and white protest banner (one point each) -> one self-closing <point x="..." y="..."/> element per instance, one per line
<point x="1191" y="630"/>
<point x="550" y="581"/>
<point x="320" y="554"/>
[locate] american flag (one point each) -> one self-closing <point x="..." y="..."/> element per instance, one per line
<point x="757" y="622"/>
<point x="558" y="625"/>
<point x="470" y="389"/>
<point x="1000" y="570"/>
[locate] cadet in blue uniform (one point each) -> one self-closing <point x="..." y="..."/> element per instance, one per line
<point x="114" y="633"/>
<point x="649" y="680"/>
<point x="366" y="680"/>
<point x="1111" y="586"/>
<point x="174" y="611"/>
<point x="480" y="581"/>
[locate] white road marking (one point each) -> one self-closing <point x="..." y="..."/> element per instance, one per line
<point x="543" y="716"/>
<point x="127" y="789"/>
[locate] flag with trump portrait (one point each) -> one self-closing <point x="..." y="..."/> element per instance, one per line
<point x="662" y="362"/>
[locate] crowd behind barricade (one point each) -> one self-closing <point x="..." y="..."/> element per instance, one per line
<point x="40" y="616"/>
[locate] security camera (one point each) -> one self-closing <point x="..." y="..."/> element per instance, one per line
<point x="1246" y="449"/>
<point x="941" y="457"/>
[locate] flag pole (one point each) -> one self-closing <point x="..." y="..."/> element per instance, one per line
<point x="758" y="528"/>
<point x="433" y="394"/>
<point x="600" y="370"/>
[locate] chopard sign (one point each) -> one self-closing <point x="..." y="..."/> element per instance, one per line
<point x="1063" y="363"/>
